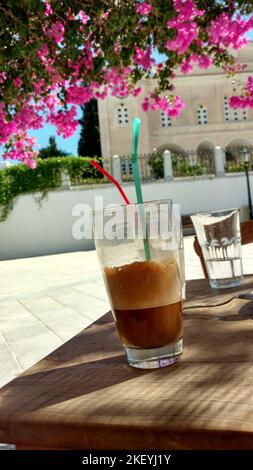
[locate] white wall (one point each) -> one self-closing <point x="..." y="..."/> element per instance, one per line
<point x="32" y="231"/>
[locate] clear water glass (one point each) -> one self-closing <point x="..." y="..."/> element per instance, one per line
<point x="219" y="237"/>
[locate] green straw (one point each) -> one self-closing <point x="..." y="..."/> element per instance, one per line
<point x="137" y="182"/>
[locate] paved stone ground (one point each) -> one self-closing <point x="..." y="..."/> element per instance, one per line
<point x="45" y="301"/>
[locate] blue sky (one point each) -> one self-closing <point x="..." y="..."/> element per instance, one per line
<point x="68" y="145"/>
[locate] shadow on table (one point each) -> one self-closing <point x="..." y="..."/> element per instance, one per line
<point x="91" y="369"/>
<point x="198" y="291"/>
<point x="91" y="361"/>
<point x="244" y="313"/>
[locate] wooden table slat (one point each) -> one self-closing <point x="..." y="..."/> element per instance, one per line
<point x="85" y="396"/>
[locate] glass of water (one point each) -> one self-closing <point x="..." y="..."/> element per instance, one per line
<point x="219" y="237"/>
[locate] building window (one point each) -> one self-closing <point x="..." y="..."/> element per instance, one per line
<point x="233" y="114"/>
<point x="202" y="116"/>
<point x="122" y="115"/>
<point x="126" y="167"/>
<point x="165" y="120"/>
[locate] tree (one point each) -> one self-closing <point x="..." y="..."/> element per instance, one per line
<point x="56" y="55"/>
<point x="89" y="143"/>
<point x="51" y="150"/>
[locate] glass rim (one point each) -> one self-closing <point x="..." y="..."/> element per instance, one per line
<point x="132" y="204"/>
<point x="220" y="211"/>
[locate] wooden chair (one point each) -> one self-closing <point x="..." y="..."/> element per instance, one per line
<point x="246" y="237"/>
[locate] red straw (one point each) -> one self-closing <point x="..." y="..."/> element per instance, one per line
<point x="110" y="177"/>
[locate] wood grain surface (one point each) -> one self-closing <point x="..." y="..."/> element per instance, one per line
<point x="85" y="396"/>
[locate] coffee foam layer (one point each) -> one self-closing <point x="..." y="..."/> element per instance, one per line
<point x="143" y="284"/>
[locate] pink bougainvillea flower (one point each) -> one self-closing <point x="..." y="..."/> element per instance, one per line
<point x="65" y="122"/>
<point x="48" y="9"/>
<point x="245" y="100"/>
<point x="76" y="53"/>
<point x="17" y="82"/>
<point x="56" y="31"/>
<point x="143" y="58"/>
<point x="79" y="94"/>
<point x="228" y="31"/>
<point x="143" y="8"/>
<point x="172" y="106"/>
<point x="83" y="17"/>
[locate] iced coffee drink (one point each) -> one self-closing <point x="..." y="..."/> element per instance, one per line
<point x="140" y="251"/>
<point x="146" y="302"/>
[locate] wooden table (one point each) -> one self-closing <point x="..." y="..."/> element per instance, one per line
<point x="85" y="396"/>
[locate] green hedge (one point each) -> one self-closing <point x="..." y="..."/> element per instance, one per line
<point x="237" y="167"/>
<point x="19" y="179"/>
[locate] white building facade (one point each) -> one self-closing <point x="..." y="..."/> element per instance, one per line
<point x="207" y="120"/>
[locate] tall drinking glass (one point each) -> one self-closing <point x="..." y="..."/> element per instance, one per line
<point x="140" y="254"/>
<point x="219" y="236"/>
